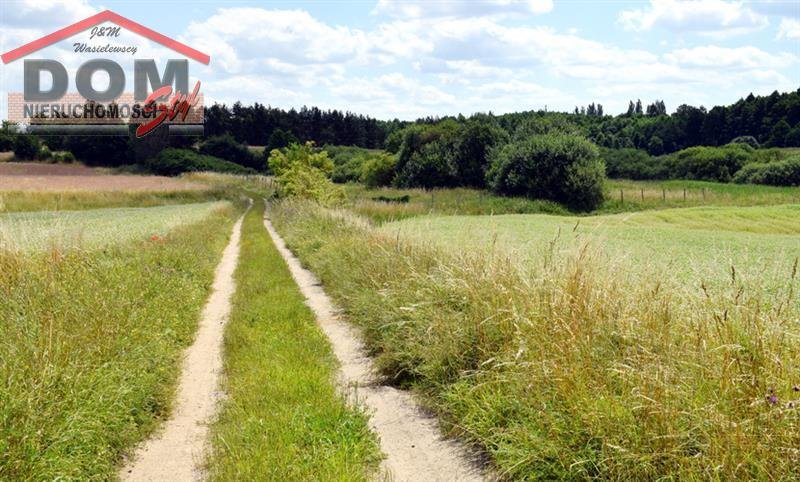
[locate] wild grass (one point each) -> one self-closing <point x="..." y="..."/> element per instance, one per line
<point x="97" y="228"/>
<point x="385" y="204"/>
<point x="15" y="201"/>
<point x="564" y="365"/>
<point x="282" y="418"/>
<point x="91" y="343"/>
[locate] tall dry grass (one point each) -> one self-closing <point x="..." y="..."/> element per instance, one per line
<point x="564" y="367"/>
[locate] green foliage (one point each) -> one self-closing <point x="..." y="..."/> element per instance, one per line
<point x="378" y="170"/>
<point x="558" y="167"/>
<point x="6" y="142"/>
<point x="472" y="149"/>
<point x="348" y="162"/>
<point x="710" y="163"/>
<point x="427" y="156"/>
<point x="778" y="173"/>
<point x="302" y="171"/>
<point x="26" y="147"/>
<point x="632" y="163"/>
<point x="171" y="162"/>
<point x="44" y="153"/>
<point x="280" y="160"/>
<point x="225" y="147"/>
<point x="749" y="140"/>
<point x="63" y="156"/>
<point x="108" y="151"/>
<point x="280" y="139"/>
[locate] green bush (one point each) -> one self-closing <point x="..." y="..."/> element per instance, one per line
<point x="302" y="171"/>
<point x="6" y="142"/>
<point x="44" y="153"/>
<point x="473" y="146"/>
<point x="172" y="161"/>
<point x="749" y="140"/>
<point x="427" y="156"/>
<point x="26" y="147"/>
<point x="629" y="163"/>
<point x="710" y="163"/>
<point x="348" y="162"/>
<point x="559" y="167"/>
<point x="225" y="147"/>
<point x="63" y="156"/>
<point x="108" y="151"/>
<point x="378" y="170"/>
<point x="279" y="139"/>
<point x="778" y="173"/>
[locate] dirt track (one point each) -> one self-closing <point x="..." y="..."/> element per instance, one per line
<point x="177" y="453"/>
<point x="414" y="448"/>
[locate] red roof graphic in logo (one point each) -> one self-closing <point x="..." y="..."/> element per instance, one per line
<point x="105" y="16"/>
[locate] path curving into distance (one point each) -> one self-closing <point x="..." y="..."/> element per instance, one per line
<point x="414" y="447"/>
<point x="176" y="453"/>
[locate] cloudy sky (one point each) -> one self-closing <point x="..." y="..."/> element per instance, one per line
<point x="407" y="59"/>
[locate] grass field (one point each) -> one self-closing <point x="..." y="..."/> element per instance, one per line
<point x="682" y="247"/>
<point x="97" y="228"/>
<point x="662" y="344"/>
<point x="385" y="204"/>
<point x="91" y="339"/>
<point x="283" y="418"/>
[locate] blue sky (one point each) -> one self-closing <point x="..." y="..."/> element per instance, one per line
<point x="408" y="59"/>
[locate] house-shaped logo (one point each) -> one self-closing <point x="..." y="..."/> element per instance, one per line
<point x="167" y="101"/>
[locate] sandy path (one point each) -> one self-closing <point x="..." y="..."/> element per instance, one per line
<point x="177" y="452"/>
<point x="410" y="438"/>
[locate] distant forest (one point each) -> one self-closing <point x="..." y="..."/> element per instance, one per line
<point x="773" y="120"/>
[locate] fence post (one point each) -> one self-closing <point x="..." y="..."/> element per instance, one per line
<point x="704" y="194"/>
<point x="642" y="194"/>
<point x="663" y="195"/>
<point x="684" y="194"/>
<point x="621" y="197"/>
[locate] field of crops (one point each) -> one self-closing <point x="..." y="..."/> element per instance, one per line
<point x="96" y="228"/>
<point x="679" y="246"/>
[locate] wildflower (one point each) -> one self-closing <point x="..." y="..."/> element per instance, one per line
<point x="796" y="388"/>
<point x="772" y="399"/>
<point x="156" y="238"/>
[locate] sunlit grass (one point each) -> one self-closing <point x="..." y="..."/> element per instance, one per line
<point x="627" y="347"/>
<point x="91" y="340"/>
<point x="96" y="228"/>
<point x="282" y="418"/>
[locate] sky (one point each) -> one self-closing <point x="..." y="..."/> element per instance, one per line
<point x="410" y="59"/>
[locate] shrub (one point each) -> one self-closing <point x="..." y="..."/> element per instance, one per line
<point x="109" y="151"/>
<point x="6" y="142"/>
<point x="427" y="156"/>
<point x="632" y="163"/>
<point x="26" y="146"/>
<point x="378" y="170"/>
<point x="172" y="161"/>
<point x="560" y="167"/>
<point x="348" y="162"/>
<point x="225" y="147"/>
<point x="302" y="171"/>
<point x="63" y="156"/>
<point x="473" y="146"/>
<point x="279" y="139"/>
<point x="778" y="173"/>
<point x="44" y="153"/>
<point x="749" y="140"/>
<point x="710" y="163"/>
<point x="305" y="154"/>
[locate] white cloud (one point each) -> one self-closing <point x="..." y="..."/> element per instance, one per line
<point x="741" y="58"/>
<point x="460" y="8"/>
<point x="708" y="17"/>
<point x="789" y="29"/>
